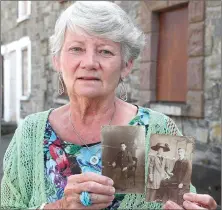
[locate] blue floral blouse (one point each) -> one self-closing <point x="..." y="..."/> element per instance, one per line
<point x="63" y="159"/>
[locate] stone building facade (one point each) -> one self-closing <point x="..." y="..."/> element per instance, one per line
<point x="199" y="116"/>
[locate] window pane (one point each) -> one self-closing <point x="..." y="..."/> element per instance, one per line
<point x="25" y="72"/>
<point x="23" y="8"/>
<point x="25" y="3"/>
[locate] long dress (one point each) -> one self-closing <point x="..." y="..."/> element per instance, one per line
<point x="157" y="172"/>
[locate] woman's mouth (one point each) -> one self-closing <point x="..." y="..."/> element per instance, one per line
<point x="89" y="78"/>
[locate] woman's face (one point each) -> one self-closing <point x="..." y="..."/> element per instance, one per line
<point x="160" y="151"/>
<point x="91" y="66"/>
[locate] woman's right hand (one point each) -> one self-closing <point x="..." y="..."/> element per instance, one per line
<point x="99" y="186"/>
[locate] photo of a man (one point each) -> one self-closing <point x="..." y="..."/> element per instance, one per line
<point x="121" y="165"/>
<point x="179" y="183"/>
<point x="123" y="157"/>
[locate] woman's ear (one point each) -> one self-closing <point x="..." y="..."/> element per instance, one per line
<point x="127" y="68"/>
<point x="56" y="63"/>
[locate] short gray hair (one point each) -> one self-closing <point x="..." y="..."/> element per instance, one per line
<point x="103" y="19"/>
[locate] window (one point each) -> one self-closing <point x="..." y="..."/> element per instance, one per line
<point x="17" y="76"/>
<point x="172" y="56"/>
<point x="24" y="10"/>
<point x="172" y="63"/>
<point x="25" y="67"/>
<point x="25" y="72"/>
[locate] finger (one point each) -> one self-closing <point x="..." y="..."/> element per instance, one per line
<point x="98" y="206"/>
<point x="90" y="176"/>
<point x="171" y="205"/>
<point x="190" y="205"/>
<point x="71" y="197"/>
<point x="203" y="199"/>
<point x="97" y="198"/>
<point x="93" y="206"/>
<point x="90" y="186"/>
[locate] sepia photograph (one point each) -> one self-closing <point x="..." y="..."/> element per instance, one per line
<point x="123" y="157"/>
<point x="169" y="168"/>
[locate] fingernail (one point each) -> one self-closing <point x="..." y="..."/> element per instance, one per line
<point x="112" y="197"/>
<point x="110" y="182"/>
<point x="112" y="189"/>
<point x="111" y="200"/>
<point x="186" y="203"/>
<point x="167" y="206"/>
<point x="169" y="202"/>
<point x="187" y="196"/>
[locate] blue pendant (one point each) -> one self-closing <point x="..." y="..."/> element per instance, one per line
<point x="94" y="160"/>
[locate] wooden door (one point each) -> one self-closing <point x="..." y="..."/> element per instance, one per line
<point x="172" y="56"/>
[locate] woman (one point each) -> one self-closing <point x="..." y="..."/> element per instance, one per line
<point x="54" y="159"/>
<point x="158" y="170"/>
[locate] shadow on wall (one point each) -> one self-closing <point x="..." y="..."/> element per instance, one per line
<point x="206" y="174"/>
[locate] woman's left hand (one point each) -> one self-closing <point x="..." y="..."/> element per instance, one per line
<point x="193" y="201"/>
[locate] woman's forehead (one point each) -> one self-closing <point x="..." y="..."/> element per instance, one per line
<point x="82" y="37"/>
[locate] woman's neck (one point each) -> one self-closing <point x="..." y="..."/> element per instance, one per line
<point x="89" y="111"/>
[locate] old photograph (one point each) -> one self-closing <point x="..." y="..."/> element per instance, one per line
<point x="169" y="168"/>
<point x="123" y="157"/>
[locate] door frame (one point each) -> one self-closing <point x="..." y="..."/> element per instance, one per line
<point x="16" y="46"/>
<point x="6" y="50"/>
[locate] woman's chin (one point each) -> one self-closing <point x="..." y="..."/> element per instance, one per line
<point x="91" y="94"/>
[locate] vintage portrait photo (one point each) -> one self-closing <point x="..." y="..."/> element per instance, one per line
<point x="123" y="157"/>
<point x="169" y="167"/>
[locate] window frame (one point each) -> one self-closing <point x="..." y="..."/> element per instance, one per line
<point x="21" y="17"/>
<point x="149" y="22"/>
<point x="25" y="43"/>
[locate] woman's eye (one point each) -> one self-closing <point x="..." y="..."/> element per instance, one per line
<point x="76" y="49"/>
<point x="105" y="52"/>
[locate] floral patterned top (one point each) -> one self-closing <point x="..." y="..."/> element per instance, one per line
<point x="63" y="159"/>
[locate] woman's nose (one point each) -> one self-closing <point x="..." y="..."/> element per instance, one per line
<point x="90" y="61"/>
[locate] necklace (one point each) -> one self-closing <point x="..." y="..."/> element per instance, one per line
<point x="94" y="159"/>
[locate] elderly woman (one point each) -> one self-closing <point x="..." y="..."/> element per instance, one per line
<point x="54" y="158"/>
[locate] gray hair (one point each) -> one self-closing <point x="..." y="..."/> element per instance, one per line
<point x="103" y="19"/>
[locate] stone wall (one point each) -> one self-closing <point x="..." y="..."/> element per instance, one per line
<point x="208" y="128"/>
<point x="39" y="27"/>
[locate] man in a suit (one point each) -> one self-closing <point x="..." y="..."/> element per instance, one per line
<point x="121" y="164"/>
<point x="179" y="183"/>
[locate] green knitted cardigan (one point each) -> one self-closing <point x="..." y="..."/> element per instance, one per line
<point x="23" y="184"/>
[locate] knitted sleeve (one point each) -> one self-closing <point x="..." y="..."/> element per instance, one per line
<point x="10" y="189"/>
<point x="17" y="181"/>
